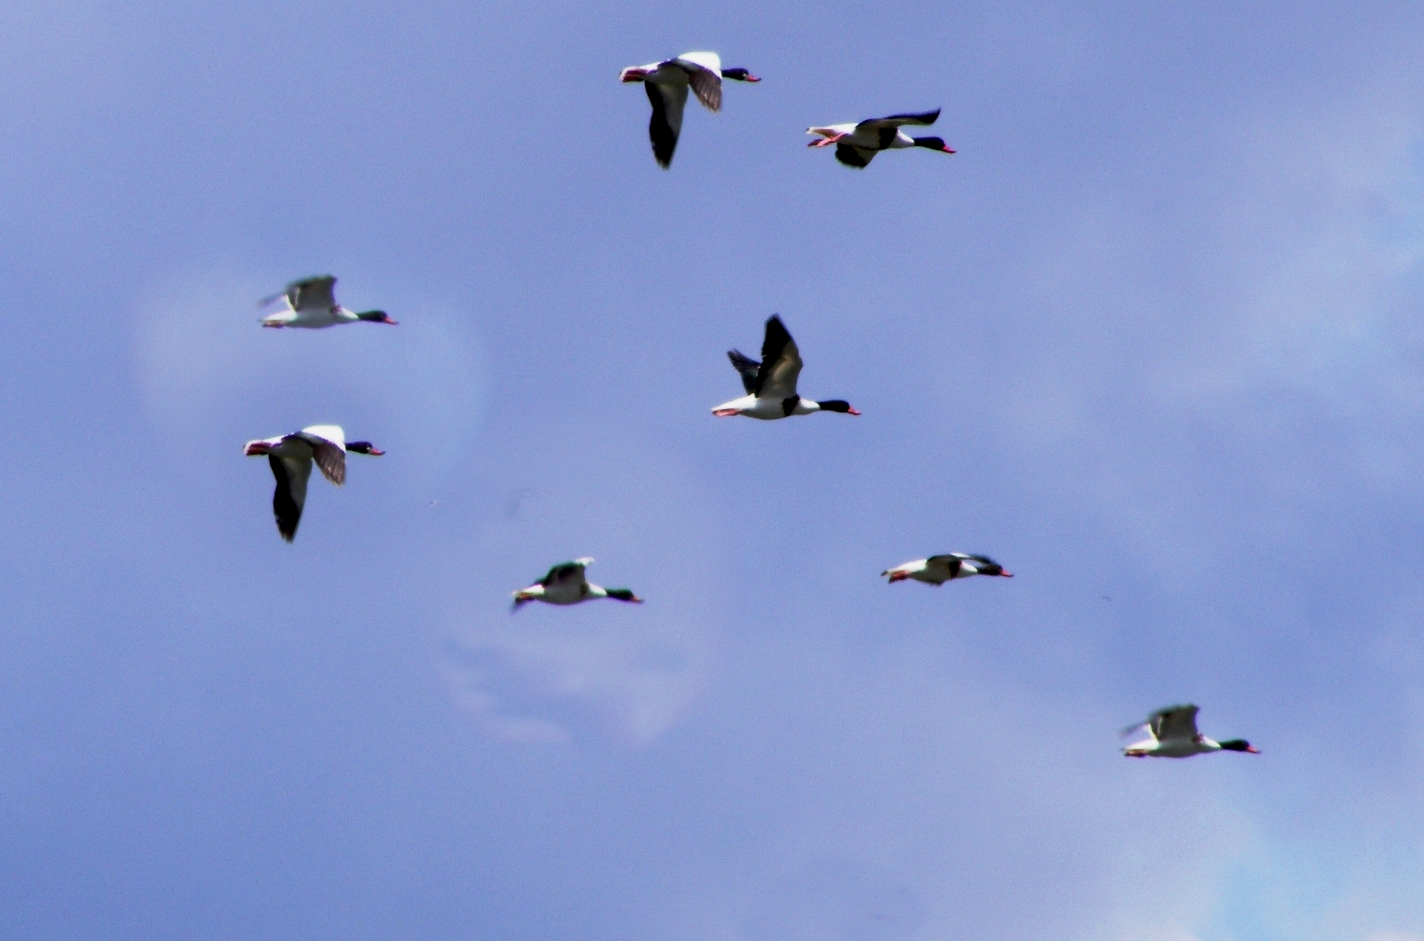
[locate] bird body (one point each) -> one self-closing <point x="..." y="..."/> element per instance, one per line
<point x="311" y="303"/>
<point x="771" y="383"/>
<point x="938" y="569"/>
<point x="667" y="84"/>
<point x="565" y="584"/>
<point x="857" y="144"/>
<point x="1172" y="733"/>
<point x="291" y="458"/>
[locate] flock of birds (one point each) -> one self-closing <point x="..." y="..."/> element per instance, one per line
<point x="770" y="384"/>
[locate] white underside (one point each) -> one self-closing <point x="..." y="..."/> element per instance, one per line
<point x="766" y="409"/>
<point x="563" y="593"/>
<point x="311" y="319"/>
<point x="1172" y="748"/>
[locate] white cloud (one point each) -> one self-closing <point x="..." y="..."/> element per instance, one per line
<point x="541" y="682"/>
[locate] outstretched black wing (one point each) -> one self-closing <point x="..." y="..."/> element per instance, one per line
<point x="747" y="367"/>
<point x="668" y="102"/>
<point x="285" y="506"/>
<point x="854" y="156"/>
<point x="780" y="361"/>
<point x="922" y="118"/>
<point x="562" y="572"/>
<point x="974" y="558"/>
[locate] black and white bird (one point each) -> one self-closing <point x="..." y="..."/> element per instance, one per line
<point x="565" y="584"/>
<point x="857" y="144"/>
<point x="1172" y="733"/>
<point x="938" y="569"/>
<point x="667" y="83"/>
<point x="312" y="303"/>
<point x="771" y="383"/>
<point x="291" y="458"/>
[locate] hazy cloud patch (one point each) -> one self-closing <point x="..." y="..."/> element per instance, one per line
<point x="835" y="900"/>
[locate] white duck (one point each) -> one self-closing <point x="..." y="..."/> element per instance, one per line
<point x="667" y="83"/>
<point x="938" y="569"/>
<point x="1172" y="733"/>
<point x="857" y="144"/>
<point x="312" y="303"/>
<point x="291" y="456"/>
<point x="565" y="584"/>
<point x="771" y="383"/>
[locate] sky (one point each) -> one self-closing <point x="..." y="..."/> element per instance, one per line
<point x="1151" y="338"/>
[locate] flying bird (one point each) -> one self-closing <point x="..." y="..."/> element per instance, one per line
<point x="667" y="83"/>
<point x="938" y="569"/>
<point x="771" y="383"/>
<point x="311" y="303"/>
<point x="857" y="144"/>
<point x="565" y="584"/>
<point x="291" y="458"/>
<point x="1172" y="733"/>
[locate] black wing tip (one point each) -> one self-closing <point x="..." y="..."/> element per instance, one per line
<point x="664" y="145"/>
<point x="777" y="336"/>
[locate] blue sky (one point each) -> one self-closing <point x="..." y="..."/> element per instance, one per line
<point x="1151" y="338"/>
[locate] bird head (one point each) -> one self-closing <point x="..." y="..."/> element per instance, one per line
<point x="933" y="143"/>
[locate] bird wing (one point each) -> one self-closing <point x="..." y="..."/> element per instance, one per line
<point x="328" y="444"/>
<point x="666" y="122"/>
<point x="312" y="293"/>
<point x="853" y="156"/>
<point x="565" y="572"/>
<point x="748" y="368"/>
<point x="970" y="557"/>
<point x="704" y="71"/>
<point x="290" y="495"/>
<point x="947" y="558"/>
<point x="780" y="363"/>
<point x="896" y="121"/>
<point x="1174" y="722"/>
<point x="951" y="562"/>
